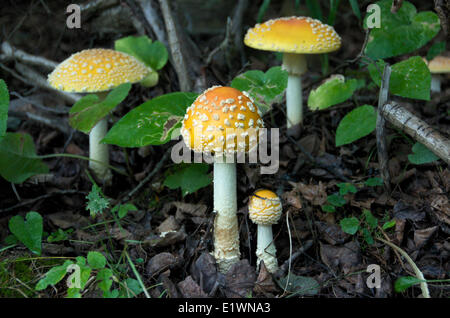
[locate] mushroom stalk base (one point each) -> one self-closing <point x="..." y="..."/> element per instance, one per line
<point x="265" y="249"/>
<point x="98" y="151"/>
<point x="226" y="231"/>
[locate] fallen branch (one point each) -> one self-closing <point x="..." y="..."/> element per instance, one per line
<point x="417" y="129"/>
<point x="12" y="53"/>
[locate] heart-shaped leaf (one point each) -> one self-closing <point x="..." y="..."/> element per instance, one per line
<point x="401" y="32"/>
<point x="89" y="110"/>
<point x="358" y="123"/>
<point x="349" y="225"/>
<point x="410" y="78"/>
<point x="421" y="155"/>
<point x="18" y="159"/>
<point x="28" y="231"/>
<point x="333" y="91"/>
<point x="266" y="88"/>
<point x="154" y="55"/>
<point x="151" y="123"/>
<point x="4" y="104"/>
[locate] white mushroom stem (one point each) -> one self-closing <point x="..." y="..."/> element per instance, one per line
<point x="295" y="65"/>
<point x="435" y="83"/>
<point x="226" y="230"/>
<point x="265" y="248"/>
<point x="99" y="151"/>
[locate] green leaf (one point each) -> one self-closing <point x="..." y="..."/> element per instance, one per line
<point x="346" y="187"/>
<point x="96" y="260"/>
<point x="349" y="225"/>
<point x="402" y="32"/>
<point x="367" y="236"/>
<point x="189" y="177"/>
<point x="89" y="110"/>
<point x="403" y="283"/>
<point x="421" y="155"/>
<point x="53" y="276"/>
<point x="336" y="200"/>
<point x="104" y="277"/>
<point x="151" y="123"/>
<point x="410" y="78"/>
<point x="265" y="88"/>
<point x="153" y="55"/>
<point x="4" y="104"/>
<point x="358" y="123"/>
<point x="333" y="91"/>
<point x="262" y="10"/>
<point x="300" y="285"/>
<point x="29" y="232"/>
<point x="374" y="182"/>
<point x="436" y="49"/>
<point x="134" y="288"/>
<point x="389" y="224"/>
<point x="123" y="209"/>
<point x="97" y="203"/>
<point x="370" y="219"/>
<point x="328" y="208"/>
<point x="18" y="159"/>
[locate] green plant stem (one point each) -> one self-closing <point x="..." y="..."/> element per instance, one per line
<point x="419" y="275"/>
<point x="56" y="155"/>
<point x="138" y="277"/>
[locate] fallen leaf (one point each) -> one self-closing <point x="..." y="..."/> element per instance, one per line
<point x="190" y="289"/>
<point x="240" y="280"/>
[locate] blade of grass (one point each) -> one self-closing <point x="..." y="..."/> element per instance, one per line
<point x="314" y="9"/>
<point x="355" y="8"/>
<point x="334" y="4"/>
<point x="138" y="277"/>
<point x="262" y="10"/>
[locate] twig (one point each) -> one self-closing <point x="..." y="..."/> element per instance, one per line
<point x="157" y="167"/>
<point x="419" y="275"/>
<point x="175" y="48"/>
<point x="417" y="129"/>
<point x="383" y="157"/>
<point x="12" y="53"/>
<point x="42" y="197"/>
<point x="58" y="123"/>
<point x="153" y="20"/>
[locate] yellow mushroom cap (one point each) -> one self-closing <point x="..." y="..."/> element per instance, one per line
<point x="301" y="35"/>
<point x="222" y="120"/>
<point x="264" y="207"/>
<point x="440" y="64"/>
<point x="96" y="70"/>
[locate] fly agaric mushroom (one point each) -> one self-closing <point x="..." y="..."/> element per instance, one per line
<point x="264" y="209"/>
<point x="438" y="65"/>
<point x="294" y="37"/>
<point x="97" y="71"/>
<point x="223" y="121"/>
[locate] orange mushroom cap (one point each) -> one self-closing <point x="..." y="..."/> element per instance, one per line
<point x="222" y="120"/>
<point x="264" y="207"/>
<point x="301" y="35"/>
<point x="96" y="70"/>
<point x="440" y="64"/>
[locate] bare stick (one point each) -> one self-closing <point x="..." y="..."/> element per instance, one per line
<point x="12" y="53"/>
<point x="175" y="47"/>
<point x="417" y="129"/>
<point x="153" y="20"/>
<point x="383" y="157"/>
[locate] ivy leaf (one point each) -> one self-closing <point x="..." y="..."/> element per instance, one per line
<point x="154" y="122"/>
<point x="421" y="155"/>
<point x="265" y="88"/>
<point x="349" y="225"/>
<point x="153" y="55"/>
<point x="28" y="231"/>
<point x="96" y="260"/>
<point x="334" y="90"/>
<point x="402" y="32"/>
<point x="4" y="104"/>
<point x="410" y="78"/>
<point x="89" y="110"/>
<point x="358" y="123"/>
<point x="189" y="177"/>
<point x="18" y="159"/>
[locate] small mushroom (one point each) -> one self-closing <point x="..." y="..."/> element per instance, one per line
<point x="438" y="65"/>
<point x="223" y="121"/>
<point x="97" y="71"/>
<point x="294" y="37"/>
<point x="265" y="209"/>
